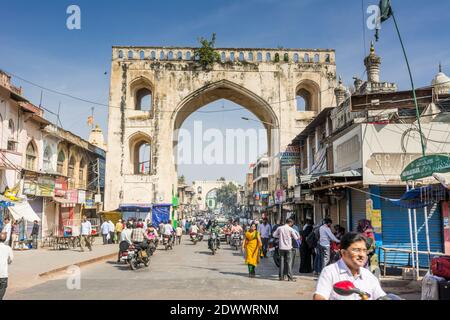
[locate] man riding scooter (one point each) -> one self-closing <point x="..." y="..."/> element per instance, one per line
<point x="214" y="228"/>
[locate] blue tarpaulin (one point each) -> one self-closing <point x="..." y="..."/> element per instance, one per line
<point x="160" y="213"/>
<point x="420" y="197"/>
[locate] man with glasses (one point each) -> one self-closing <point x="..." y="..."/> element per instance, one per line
<point x="349" y="268"/>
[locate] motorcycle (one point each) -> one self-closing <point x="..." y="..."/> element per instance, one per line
<point x="236" y="240"/>
<point x="347" y="288"/>
<point x="274" y="250"/>
<point x="213" y="243"/>
<point x="135" y="255"/>
<point x="196" y="237"/>
<point x="168" y="242"/>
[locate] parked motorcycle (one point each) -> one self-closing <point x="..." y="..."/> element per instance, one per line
<point x="236" y="240"/>
<point x="136" y="255"/>
<point x="347" y="288"/>
<point x="213" y="243"/>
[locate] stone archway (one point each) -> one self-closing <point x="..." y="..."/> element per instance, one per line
<point x="257" y="82"/>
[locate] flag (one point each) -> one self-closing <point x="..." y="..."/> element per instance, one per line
<point x="90" y="121"/>
<point x="142" y="167"/>
<point x="385" y="13"/>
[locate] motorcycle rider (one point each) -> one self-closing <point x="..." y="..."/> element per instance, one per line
<point x="168" y="230"/>
<point x="214" y="228"/>
<point x="138" y="235"/>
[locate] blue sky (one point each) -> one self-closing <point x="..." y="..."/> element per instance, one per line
<point x="36" y="45"/>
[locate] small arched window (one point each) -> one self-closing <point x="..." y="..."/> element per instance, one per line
<point x="130" y="54"/>
<point x="188" y="55"/>
<point x="48" y="159"/>
<point x="223" y="57"/>
<point x="120" y="55"/>
<point x="142" y="55"/>
<point x="231" y="56"/>
<point x="259" y="56"/>
<point x="71" y="167"/>
<point x="295" y="57"/>
<point x="153" y="55"/>
<point x="142" y="158"/>
<point x="316" y="58"/>
<point x="143" y="100"/>
<point x="180" y="55"/>
<point x="170" y="55"/>
<point x="268" y="56"/>
<point x="161" y="55"/>
<point x="11" y="128"/>
<point x="250" y="56"/>
<point x="241" y="56"/>
<point x="306" y="58"/>
<point x="286" y="57"/>
<point x="327" y="58"/>
<point x="81" y="173"/>
<point x="60" y="163"/>
<point x="199" y="190"/>
<point x="31" y="156"/>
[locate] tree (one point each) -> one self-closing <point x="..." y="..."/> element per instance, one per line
<point x="227" y="195"/>
<point x="181" y="180"/>
<point x="207" y="54"/>
<point x="221" y="179"/>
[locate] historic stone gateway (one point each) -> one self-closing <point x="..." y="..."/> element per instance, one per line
<point x="154" y="89"/>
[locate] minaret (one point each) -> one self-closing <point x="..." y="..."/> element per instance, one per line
<point x="96" y="137"/>
<point x="372" y="63"/>
<point x="340" y="92"/>
<point x="441" y="82"/>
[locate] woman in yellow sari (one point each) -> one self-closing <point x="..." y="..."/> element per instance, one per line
<point x="252" y="245"/>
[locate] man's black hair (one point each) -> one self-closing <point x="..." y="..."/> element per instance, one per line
<point x="289" y="221"/>
<point x="351" y="237"/>
<point x="327" y="221"/>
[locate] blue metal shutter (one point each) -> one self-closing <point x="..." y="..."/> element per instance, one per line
<point x="358" y="207"/>
<point x="395" y="228"/>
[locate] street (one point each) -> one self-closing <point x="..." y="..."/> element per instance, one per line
<point x="187" y="272"/>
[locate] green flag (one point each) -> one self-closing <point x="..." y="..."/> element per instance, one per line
<point x="385" y="13"/>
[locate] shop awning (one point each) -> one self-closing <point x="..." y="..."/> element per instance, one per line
<point x="64" y="202"/>
<point x="421" y="197"/>
<point x="23" y="210"/>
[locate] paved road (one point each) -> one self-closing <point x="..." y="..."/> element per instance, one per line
<point x="187" y="272"/>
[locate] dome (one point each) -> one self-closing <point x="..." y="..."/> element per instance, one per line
<point x="441" y="82"/>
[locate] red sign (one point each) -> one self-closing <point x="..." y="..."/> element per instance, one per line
<point x="60" y="187"/>
<point x="72" y="195"/>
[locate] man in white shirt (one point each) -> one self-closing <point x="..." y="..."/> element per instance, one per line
<point x="194" y="229"/>
<point x="168" y="229"/>
<point x="7" y="230"/>
<point x="324" y="241"/>
<point x="85" y="237"/>
<point x="265" y="229"/>
<point x="349" y="268"/>
<point x="6" y="258"/>
<point x="285" y="234"/>
<point x="112" y="230"/>
<point x="105" y="231"/>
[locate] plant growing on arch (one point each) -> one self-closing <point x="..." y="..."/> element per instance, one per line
<point x="207" y="54"/>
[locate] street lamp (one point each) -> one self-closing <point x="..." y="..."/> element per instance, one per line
<point x="279" y="145"/>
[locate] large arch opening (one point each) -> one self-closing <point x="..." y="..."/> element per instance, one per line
<point x="222" y="109"/>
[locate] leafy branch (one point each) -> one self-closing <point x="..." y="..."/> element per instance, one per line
<point x="206" y="54"/>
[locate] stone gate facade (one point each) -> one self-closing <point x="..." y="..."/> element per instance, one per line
<point x="172" y="85"/>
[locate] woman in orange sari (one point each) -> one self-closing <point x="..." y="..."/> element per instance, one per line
<point x="252" y="246"/>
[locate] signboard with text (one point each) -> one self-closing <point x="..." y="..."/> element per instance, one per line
<point x="425" y="167"/>
<point x="291" y="157"/>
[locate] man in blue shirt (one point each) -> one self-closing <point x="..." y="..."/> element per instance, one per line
<point x="265" y="230"/>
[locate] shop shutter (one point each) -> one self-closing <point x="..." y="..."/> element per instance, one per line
<point x="358" y="207"/>
<point x="37" y="206"/>
<point x="395" y="228"/>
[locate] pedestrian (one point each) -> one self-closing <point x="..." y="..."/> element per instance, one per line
<point x="105" y="231"/>
<point x="305" y="250"/>
<point x="349" y="268"/>
<point x="183" y="224"/>
<point x="7" y="228"/>
<point x="285" y="234"/>
<point x="366" y="230"/>
<point x="265" y="230"/>
<point x="118" y="230"/>
<point x="35" y="234"/>
<point x="85" y="237"/>
<point x="6" y="258"/>
<point x="179" y="231"/>
<point x="112" y="228"/>
<point x="252" y="246"/>
<point x="14" y="234"/>
<point x="326" y="236"/>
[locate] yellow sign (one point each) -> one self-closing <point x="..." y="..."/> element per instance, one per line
<point x="376" y="221"/>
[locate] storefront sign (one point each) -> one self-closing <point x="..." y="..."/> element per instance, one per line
<point x="39" y="186"/>
<point x="81" y="196"/>
<point x="72" y="195"/>
<point x="291" y="157"/>
<point x="347" y="153"/>
<point x="278" y="196"/>
<point x="60" y="187"/>
<point x="425" y="166"/>
<point x="297" y="192"/>
<point x="292" y="177"/>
